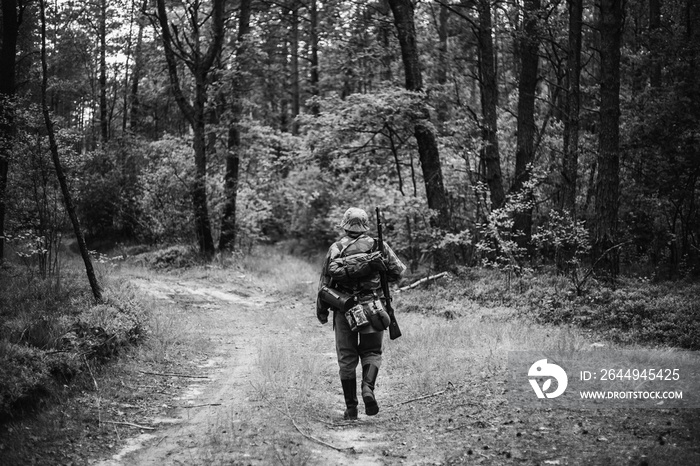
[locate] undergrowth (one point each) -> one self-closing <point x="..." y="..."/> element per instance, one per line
<point x="51" y="329"/>
<point x="636" y="311"/>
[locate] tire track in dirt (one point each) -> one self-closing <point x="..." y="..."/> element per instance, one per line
<point x="222" y="419"/>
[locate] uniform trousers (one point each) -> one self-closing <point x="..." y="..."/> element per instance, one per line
<point x="353" y="347"/>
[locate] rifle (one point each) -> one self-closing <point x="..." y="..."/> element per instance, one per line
<point x="394" y="330"/>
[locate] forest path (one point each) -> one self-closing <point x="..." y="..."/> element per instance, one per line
<point x="272" y="395"/>
<point x="236" y="407"/>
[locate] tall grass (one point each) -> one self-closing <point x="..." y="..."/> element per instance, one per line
<point x="50" y="328"/>
<point x="275" y="270"/>
<point x="434" y="352"/>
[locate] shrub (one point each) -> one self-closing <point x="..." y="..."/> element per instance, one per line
<point x="48" y="333"/>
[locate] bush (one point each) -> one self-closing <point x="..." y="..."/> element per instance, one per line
<point x="638" y="312"/>
<point x="25" y="373"/>
<point x="49" y="333"/>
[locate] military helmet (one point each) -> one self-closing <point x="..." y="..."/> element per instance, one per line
<point x="355" y="220"/>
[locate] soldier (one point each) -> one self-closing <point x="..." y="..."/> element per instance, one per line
<point x="351" y="272"/>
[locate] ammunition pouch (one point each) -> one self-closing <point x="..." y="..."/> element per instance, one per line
<point x="368" y="316"/>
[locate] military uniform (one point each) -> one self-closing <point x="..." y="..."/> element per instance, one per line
<point x="365" y="345"/>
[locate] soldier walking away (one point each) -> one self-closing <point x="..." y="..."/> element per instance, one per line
<point x="350" y="285"/>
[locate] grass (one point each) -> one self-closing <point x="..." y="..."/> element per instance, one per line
<point x="455" y="331"/>
<point x="275" y="270"/>
<point x="635" y="312"/>
<point x="455" y="351"/>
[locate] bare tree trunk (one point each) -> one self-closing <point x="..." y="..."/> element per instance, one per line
<point x="313" y="37"/>
<point x="67" y="198"/>
<point x="441" y="71"/>
<point x="227" y="239"/>
<point x="294" y="42"/>
<point x="607" y="191"/>
<point x="654" y="26"/>
<point x="104" y="117"/>
<point x="12" y="12"/>
<point x="135" y="110"/>
<point x="442" y="26"/>
<point x="200" y="65"/>
<point x="572" y="109"/>
<point x="384" y="34"/>
<point x="527" y="88"/>
<point x="425" y="138"/>
<point x="127" y="66"/>
<point x="490" y="158"/>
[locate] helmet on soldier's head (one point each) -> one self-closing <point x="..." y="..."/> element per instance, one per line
<point x="355" y="220"/>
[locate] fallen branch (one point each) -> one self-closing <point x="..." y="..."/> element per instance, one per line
<point x="311" y="437"/>
<point x="423" y="280"/>
<point x="130" y="424"/>
<point x="199" y="406"/>
<point x="421" y="398"/>
<point x="449" y="387"/>
<point x="175" y="375"/>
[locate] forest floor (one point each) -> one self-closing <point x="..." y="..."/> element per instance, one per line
<point x="252" y="379"/>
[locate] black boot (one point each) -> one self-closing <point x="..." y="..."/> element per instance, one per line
<point x="369" y="378"/>
<point x="350" y="394"/>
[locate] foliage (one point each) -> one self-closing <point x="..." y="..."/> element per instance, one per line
<point x="639" y="312"/>
<point x="309" y="148"/>
<point x="48" y="333"/>
<point x="173" y="257"/>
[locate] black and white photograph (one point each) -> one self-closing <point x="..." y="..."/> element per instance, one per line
<point x="349" y="232"/>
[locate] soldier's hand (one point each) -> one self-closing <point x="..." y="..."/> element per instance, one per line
<point x="322" y="316"/>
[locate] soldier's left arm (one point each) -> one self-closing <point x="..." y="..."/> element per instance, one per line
<point x="321" y="307"/>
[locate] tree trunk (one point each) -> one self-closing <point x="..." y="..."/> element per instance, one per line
<point x="442" y="25"/>
<point x="572" y="110"/>
<point x="11" y="19"/>
<point x="294" y="42"/>
<point x="425" y="138"/>
<point x="654" y="26"/>
<point x="384" y="34"/>
<point x="200" y="66"/>
<point x="227" y="239"/>
<point x="607" y="190"/>
<point x="525" y="148"/>
<point x="67" y="198"/>
<point x="135" y="119"/>
<point x="104" y="117"/>
<point x="441" y="71"/>
<point x="199" y="187"/>
<point x="490" y="158"/>
<point x="313" y="37"/>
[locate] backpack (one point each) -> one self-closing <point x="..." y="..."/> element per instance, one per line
<point x="357" y="266"/>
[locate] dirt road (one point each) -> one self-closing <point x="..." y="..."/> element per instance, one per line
<point x="266" y="391"/>
<point x="239" y="408"/>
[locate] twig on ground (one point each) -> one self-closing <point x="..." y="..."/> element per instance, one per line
<point x="130" y="424"/>
<point x="311" y="437"/>
<point x="420" y="398"/>
<point x="450" y="386"/>
<point x="423" y="280"/>
<point x="119" y="437"/>
<point x="97" y="390"/>
<point x="199" y="406"/>
<point x="162" y="374"/>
